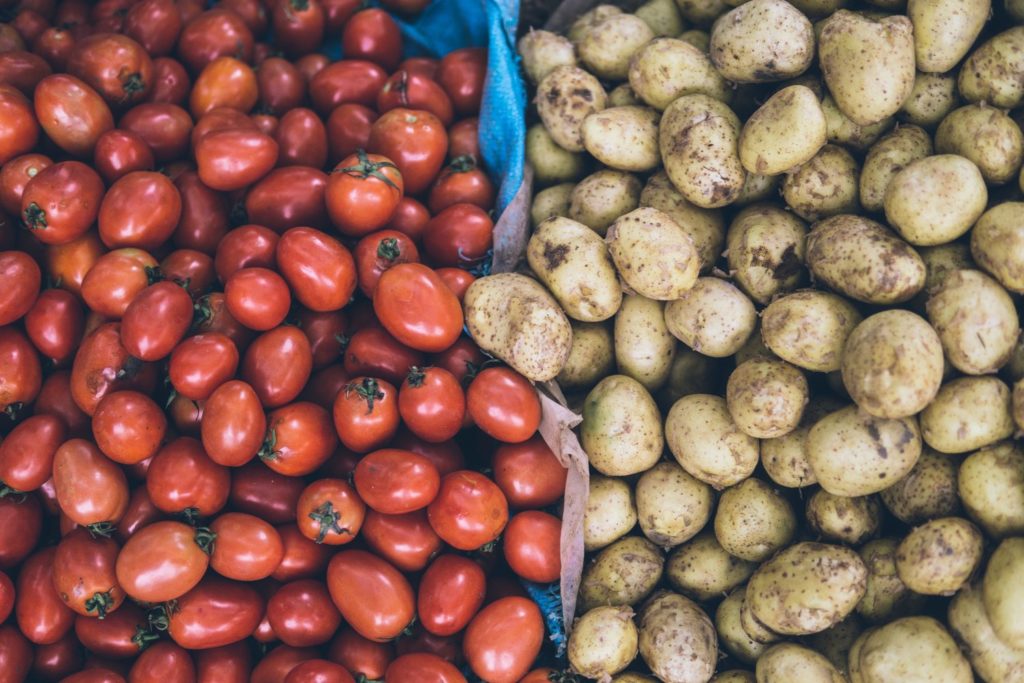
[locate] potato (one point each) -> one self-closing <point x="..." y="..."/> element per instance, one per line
<point x="886" y="595"/>
<point x="936" y="199"/>
<point x="644" y="349"/>
<point x="825" y="186"/>
<point x="809" y="329"/>
<point x="818" y="8"/>
<point x="1003" y="591"/>
<point x="543" y="51"/>
<point x="945" y="30"/>
<point x="707" y="443"/>
<point x="601" y="197"/>
<point x="662" y="16"/>
<point x="787" y="131"/>
<point x="909" y="650"/>
<point x="997" y="244"/>
<point x="766" y="398"/>
<point x="939" y="557"/>
<point x="631" y="677"/>
<point x="835" y="643"/>
<point x="753" y="521"/>
<point x="753" y="349"/>
<point x="714" y="318"/>
<point x="551" y="163"/>
<point x="672" y="507"/>
<point x="855" y="454"/>
<point x="868" y="65"/>
<point x="888" y="157"/>
<point x="610" y="512"/>
<point x="941" y="261"/>
<point x="762" y="41"/>
<point x="590" y="19"/>
<point x="729" y="624"/>
<point x="513" y="317"/>
<point x="927" y="492"/>
<point x="785" y="458"/>
<point x="621" y="429"/>
<point x="992" y="659"/>
<point x="591" y="358"/>
<point x="677" y="640"/>
<point x="753" y="626"/>
<point x="623" y="96"/>
<point x="967" y="414"/>
<point x="892" y="364"/>
<point x="991" y="73"/>
<point x="699" y="39"/>
<point x="976" y="321"/>
<point x="704" y="226"/>
<point x="806" y="588"/>
<point x="932" y="97"/>
<point x="607" y="47"/>
<point x="766" y="249"/>
<point x="987" y="137"/>
<point x="758" y="188"/>
<point x="666" y="69"/>
<point x="655" y="257"/>
<point x="701" y="568"/>
<point x="698" y="138"/>
<point x="623" y="574"/>
<point x="787" y="662"/>
<point x="603" y="641"/>
<point x="549" y="202"/>
<point x="624" y="138"/>
<point x="565" y="97"/>
<point x="842" y="519"/>
<point x="701" y="12"/>
<point x="734" y="676"/>
<point x="691" y="373"/>
<point x="991" y="486"/>
<point x="843" y="131"/>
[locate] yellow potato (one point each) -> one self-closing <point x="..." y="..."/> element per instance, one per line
<point x="667" y="68"/>
<point x="825" y="186"/>
<point x="753" y="521"/>
<point x="677" y="640"/>
<point x="991" y="486"/>
<point x="624" y="138"/>
<point x="967" y="414"/>
<point x="766" y="398"/>
<point x="704" y="226"/>
<point x="653" y="254"/>
<point x="987" y="137"/>
<point x="672" y="506"/>
<point x="787" y="131"/>
<point x="931" y="99"/>
<point x="909" y="650"/>
<point x="992" y="72"/>
<point x="707" y="443"/>
<point x="607" y="47"/>
<point x="886" y="595"/>
<point x="644" y="348"/>
<point x="945" y="30"/>
<point x="621" y="430"/>
<point x="936" y="199"/>
<point x="601" y="197"/>
<point x="939" y="557"/>
<point x="762" y="41"/>
<point x="565" y="97"/>
<point x="928" y="491"/>
<point x="997" y="244"/>
<point x="543" y="51"/>
<point x="713" y="317"/>
<point x="991" y="658"/>
<point x="1003" y="592"/>
<point x="766" y="250"/>
<point x="702" y="569"/>
<point x="888" y="157"/>
<point x="550" y="202"/>
<point x="591" y="359"/>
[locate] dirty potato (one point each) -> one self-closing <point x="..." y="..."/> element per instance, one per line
<point x="565" y="97"/>
<point x="936" y="199"/>
<point x="610" y="512"/>
<point x="644" y="348"/>
<point x="702" y="569"/>
<point x="603" y="641"/>
<point x="784" y="133"/>
<point x="787" y="662"/>
<point x="707" y="443"/>
<point x="701" y="12"/>
<point x="549" y="202"/>
<point x="931" y="99"/>
<point x="551" y="163"/>
<point x="1003" y="591"/>
<point x="938" y="557"/>
<point x="677" y="639"/>
<point x="762" y="41"/>
<point x="655" y="257"/>
<point x="967" y="414"/>
<point x="766" y="250"/>
<point x="991" y="486"/>
<point x="733" y="637"/>
<point x="713" y="317"/>
<point x="667" y="68"/>
<point x="843" y="131"/>
<point x="591" y="358"/>
<point x="662" y="16"/>
<point x="928" y="491"/>
<point x="601" y="197"/>
<point x="766" y="398"/>
<point x="886" y="595"/>
<point x="945" y="30"/>
<point x="543" y="51"/>
<point x="753" y="521"/>
<point x="621" y="430"/>
<point x="672" y="506"/>
<point x="997" y="244"/>
<point x="589" y="20"/>
<point x="991" y="73"/>
<point x="987" y="137"/>
<point x="608" y="46"/>
<point x="622" y="574"/>
<point x="704" y="226"/>
<point x="909" y="650"/>
<point x="698" y="38"/>
<point x="623" y="96"/>
<point x="991" y="658"/>
<point x="826" y="185"/>
<point x="809" y="329"/>
<point x="888" y="157"/>
<point x="843" y="519"/>
<point x="623" y="138"/>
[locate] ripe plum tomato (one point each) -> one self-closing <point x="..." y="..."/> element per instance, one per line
<point x="162" y="661"/>
<point x="17" y="173"/>
<point x="431" y="404"/>
<point x="373" y="597"/>
<point x="156" y="320"/>
<point x="212" y="34"/>
<point x="20" y="280"/>
<point x="393" y="481"/>
<point x="260" y="491"/>
<point x="280" y="84"/>
<point x="300" y="438"/>
<point x="327" y="336"/>
<point x="451" y="592"/>
<point x="128" y="426"/>
<point x="372" y="34"/>
<point x="461" y="73"/>
<point x="529" y="474"/>
<point x="366" y="414"/>
<point x="69" y="263"/>
<point x="457" y="279"/>
<point x="379" y="251"/>
<point x="417" y="308"/>
<point x="504" y="404"/>
<point x="415" y="140"/>
<point x="303" y="557"/>
<point x="191" y="269"/>
<point x="216" y="612"/>
<point x="117" y="635"/>
<point x="424" y="66"/>
<point x="406" y="541"/>
<point x="71" y="113"/>
<point x="231" y="159"/>
<point x="201" y="363"/>
<point x="372" y="351"/>
<point x="61" y="202"/>
<point x="415" y="91"/>
<point x="448" y="648"/>
<point x="319" y="671"/>
<point x="279" y="662"/>
<point x="233" y="425"/>
<point x="289" y="196"/>
<point x="224" y="664"/>
<point x="120" y="152"/>
<point x="462" y="182"/>
<point x="330" y="512"/>
<point x="247" y="548"/>
<point x="361" y="657"/>
<point x="298" y="25"/>
<point x="244" y="247"/>
<point x="155" y="24"/>
<point x="503" y="640"/>
<point x="183" y="479"/>
<point x="277" y="365"/>
<point x="164" y="127"/>
<point x="83" y="573"/>
<point x="354" y="81"/>
<point x="302" y="138"/>
<point x="116" y="66"/>
<point x="116" y="278"/>
<point x="348" y="130"/>
<point x="91" y="488"/>
<point x="22" y="520"/>
<point x="464" y="140"/>
<point x="422" y="667"/>
<point x="20" y="130"/>
<point x="141" y="512"/>
<point x="224" y="82"/>
<point x="26" y="455"/>
<point x="21" y="375"/>
<point x="170" y="82"/>
<point x="319" y="269"/>
<point x="460" y="235"/>
<point x="469" y="511"/>
<point x="140" y="210"/>
<point x="362" y="193"/>
<point x="447" y="456"/>
<point x="163" y="561"/>
<point x="301" y="613"/>
<point x="257" y="297"/>
<point x="541" y="675"/>
<point x="531" y="544"/>
<point x="40" y="613"/>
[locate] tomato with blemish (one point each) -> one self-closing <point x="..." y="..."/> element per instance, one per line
<point x="61" y="202"/>
<point x="83" y="574"/>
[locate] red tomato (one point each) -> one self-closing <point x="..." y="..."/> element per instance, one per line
<point x="185" y="415"/>
<point x="58" y="660"/>
<point x="504" y="639"/>
<point x="116" y="278"/>
<point x="303" y="557"/>
<point x="460" y="235"/>
<point x="415" y="91"/>
<point x="447" y="456"/>
<point x="141" y="512"/>
<point x="464" y="140"/>
<point x="287" y="197"/>
<point x="233" y="425"/>
<point x="83" y="574"/>
<point x="451" y="592"/>
<point x="15" y="176"/>
<point x="26" y="455"/>
<point x="348" y="81"/>
<point x="504" y="404"/>
<point x="469" y="511"/>
<point x="300" y="439"/>
<point x="21" y="520"/>
<point x="20" y="279"/>
<point x="325" y="385"/>
<point x="260" y="491"/>
<point x="98" y="675"/>
<point x="247" y="548"/>
<point x="40" y="613"/>
<point x="61" y="202"/>
<point x="542" y="675"/>
<point x="298" y="25"/>
<point x="302" y="138"/>
<point x="406" y="541"/>
<point x="319" y="671"/>
<point x="258" y="298"/>
<point x="252" y="12"/>
<point x="318" y="268"/>
<point x="120" y="152"/>
<point x="277" y="365"/>
<point x="6" y="597"/>
<point x="431" y="404"/>
<point x="415" y="306"/>
<point x="462" y="182"/>
<point x="163" y="561"/>
<point x="422" y="667"/>
<point x="372" y="596"/>
<point x="212" y="316"/>
<point x="394" y="482"/>
<point x="281" y="85"/>
<point x="213" y="34"/>
<point x="116" y="66"/>
<point x="379" y="251"/>
<point x="204" y="215"/>
<point x="141" y="210"/>
<point x="372" y="34"/>
<point x="224" y="82"/>
<point x="55" y="399"/>
<point x="361" y="657"/>
<point x="161" y="662"/>
<point x="278" y="663"/>
<point x="329" y="511"/>
<point x="15" y="653"/>
<point x="156" y="320"/>
<point x="531" y="544"/>
<point x="302" y="614"/>
<point x="529" y="474"/>
<point x="372" y="351"/>
<point x="191" y="269"/>
<point x="326" y="333"/>
<point x="71" y="113"/>
<point x="461" y="73"/>
<point x="170" y="82"/>
<point x="201" y="363"/>
<point x="248" y="246"/>
<point x="457" y="280"/>
<point x="225" y="664"/>
<point x="231" y="159"/>
<point x="69" y="263"/>
<point x="424" y="66"/>
<point x="20" y="371"/>
<point x="164" y="127"/>
<point x="215" y="613"/>
<point x="91" y="489"/>
<point x="366" y="414"/>
<point x="348" y="130"/>
<point x="183" y="478"/>
<point x="128" y="427"/>
<point x="23" y="70"/>
<point x="155" y="24"/>
<point x="20" y="130"/>
<point x="415" y="140"/>
<point x="448" y="648"/>
<point x="362" y="193"/>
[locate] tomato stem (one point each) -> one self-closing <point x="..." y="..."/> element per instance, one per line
<point x="343" y="340"/>
<point x="13" y="410"/>
<point x="408" y="630"/>
<point x="99" y="603"/>
<point x="368" y="390"/>
<point x="267" y="451"/>
<point x="35" y="217"/>
<point x="159" y="617"/>
<point x="6" y="491"/>
<point x="388" y="249"/>
<point x="143" y="638"/>
<point x="361" y="678"/>
<point x="100" y="529"/>
<point x="238" y="216"/>
<point x="154" y="275"/>
<point x="369" y="169"/>
<point x="132" y="84"/>
<point x="201" y="312"/>
<point x="299" y="5"/>
<point x="416" y="376"/>
<point x="462" y="164"/>
<point x="131" y="367"/>
<point x="190" y="516"/>
<point x="205" y="539"/>
<point x="327" y="518"/>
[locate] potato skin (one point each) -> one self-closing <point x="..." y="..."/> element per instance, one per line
<point x="707" y="443"/>
<point x="991" y="73"/>
<point x="931" y="99"/>
<point x="672" y="506"/>
<point x="622" y="574"/>
<point x="653" y="255"/>
<point x="987" y="137"/>
<point x="732" y="636"/>
<point x="766" y="398"/>
<point x="624" y="138"/>
<point x="644" y="349"/>
<point x="549" y="202"/>
<point x="912" y="650"/>
<point x="603" y="641"/>
<point x="591" y="358"/>
<point x="843" y="519"/>
<point x="601" y="197"/>
<point x="753" y="521"/>
<point x="843" y="131"/>
<point x="967" y="414"/>
<point x="621" y="430"/>
<point x="785" y="132"/>
<point x="701" y="568"/>
<point x="610" y="512"/>
<point x="939" y="557"/>
<point x="704" y="226"/>
<point x="936" y="199"/>
<point x="991" y="486"/>
<point x="677" y="639"/>
<point x="886" y="158"/>
<point x="543" y="51"/>
<point x="1003" y="591"/>
<point x="766" y="250"/>
<point x="927" y="492"/>
<point x="991" y="658"/>
<point x="997" y="244"/>
<point x="826" y="185"/>
<point x="667" y="68"/>
<point x="662" y="16"/>
<point x="762" y="41"/>
<point x="551" y="163"/>
<point x="608" y="46"/>
<point x="788" y="662"/>
<point x="945" y="30"/>
<point x="809" y="329"/>
<point x="886" y="595"/>
<point x="713" y="317"/>
<point x="589" y="20"/>
<point x="565" y="97"/>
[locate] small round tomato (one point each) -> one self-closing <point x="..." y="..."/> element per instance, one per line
<point x="373" y="597"/>
<point x="302" y="614"/>
<point x="118" y="68"/>
<point x="162" y="661"/>
<point x="462" y="182"/>
<point x="330" y="512"/>
<point x="164" y="127"/>
<point x="289" y="196"/>
<point x="15" y="176"/>
<point x="326" y="333"/>
<point x="224" y="82"/>
<point x="394" y="482"/>
<point x="298" y="25"/>
<point x="191" y="269"/>
<point x="91" y="488"/>
<point x="372" y="351"/>
<point x="183" y="478"/>
<point x="302" y="139"/>
<point x="503" y="640"/>
<point x="41" y="615"/>
<point x="225" y="664"/>
<point x="201" y="363"/>
<point x="460" y="235"/>
<point x="406" y="541"/>
<point x="366" y="414"/>
<point x="115" y="280"/>
<point x="258" y="298"/>
<point x="279" y="662"/>
<point x="21" y="374"/>
<point x="457" y="279"/>
<point x="128" y="426"/>
<point x="462" y="73"/>
<point x="61" y="202"/>
<point x="360" y="656"/>
<point x="120" y="152"/>
<point x="71" y="113"/>
<point x="422" y="667"/>
<point x="431" y="404"/>
<point x="83" y="574"/>
<point x="55" y="325"/>
<point x="372" y="34"/>
<point x="281" y="85"/>
<point x="20" y="280"/>
<point x="26" y="455"/>
<point x="303" y="557"/>
<point x="504" y="404"/>
<point x="464" y="140"/>
<point x="233" y="425"/>
<point x="379" y="251"/>
<point x="163" y="561"/>
<point x="348" y="130"/>
<point x="417" y="143"/>
<point x="155" y="24"/>
<point x="317" y="267"/>
<point x="415" y="91"/>
<point x="170" y="82"/>
<point x="469" y="511"/>
<point x="300" y="438"/>
<point x="20" y="130"/>
<point x="156" y="320"/>
<point x="212" y="34"/>
<point x="417" y="308"/>
<point x="362" y="193"/>
<point x="348" y="81"/>
<point x="247" y="548"/>
<point x="140" y="210"/>
<point x="531" y="545"/>
<point x="247" y="246"/>
<point x="216" y="612"/>
<point x="277" y="364"/>
<point x="529" y="474"/>
<point x="451" y="592"/>
<point x="231" y="159"/>
<point x="262" y="492"/>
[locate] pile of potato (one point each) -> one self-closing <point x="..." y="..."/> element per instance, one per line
<point x="777" y="261"/>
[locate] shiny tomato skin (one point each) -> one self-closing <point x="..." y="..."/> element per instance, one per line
<point x="162" y="661"/>
<point x="446" y="456"/>
<point x="406" y="541"/>
<point x="298" y="25"/>
<point x="21" y="520"/>
<point x="233" y="425"/>
<point x="20" y="280"/>
<point x="260" y="491"/>
<point x="327" y="335"/>
<point x="451" y="592"/>
<point x="258" y="298"/>
<point x="289" y="196"/>
<point x="277" y="364"/>
<point x="462" y="73"/>
<point x="379" y="251"/>
<point x="531" y="545"/>
<point x="224" y="82"/>
<point x="212" y="316"/>
<point x="415" y="91"/>
<point x="362" y="192"/>
<point x="504" y="404"/>
<point x="69" y="263"/>
<point x="229" y="160"/>
<point x="372" y="596"/>
<point x="182" y="476"/>
<point x="529" y="474"/>
<point x="23" y="70"/>
<point x="503" y="640"/>
<point x="281" y="85"/>
<point x="319" y="671"/>
<point x="112" y="636"/>
<point x="164" y="127"/>
<point x="448" y="648"/>
<point x="464" y="140"/>
<point x="462" y="182"/>
<point x="330" y="512"/>
<point x="372" y="34"/>
<point x="460" y="235"/>
<point x="55" y="399"/>
<point x="417" y="308"/>
<point x="225" y="664"/>
<point x="303" y="557"/>
<point x="71" y="113"/>
<point x="252" y="12"/>
<point x="61" y="202"/>
<point x="204" y="217"/>
<point x="156" y="320"/>
<point x="415" y="140"/>
<point x="120" y="152"/>
<point x="422" y="667"/>
<point x="6" y="596"/>
<point x="457" y="279"/>
<point x="170" y="82"/>
<point x="432" y="404"/>
<point x="302" y="139"/>
<point x="185" y="415"/>
<point x="83" y="574"/>
<point x="212" y="34"/>
<point x="348" y="130"/>
<point x="20" y="130"/>
<point x="21" y="375"/>
<point x="58" y="660"/>
<point x="302" y="614"/>
<point x="41" y="615"/>
<point x="128" y="426"/>
<point x="161" y="562"/>
<point x="192" y="269"/>
<point x="348" y="81"/>
<point x="15" y="176"/>
<point x="141" y="512"/>
<point x="469" y="511"/>
<point x="116" y="66"/>
<point x="15" y="653"/>
<point x="245" y="246"/>
<point x="393" y="482"/>
<point x="319" y="269"/>
<point x="55" y="325"/>
<point x="372" y="351"/>
<point x="300" y="438"/>
<point x="325" y="385"/>
<point x="141" y="210"/>
<point x="366" y="414"/>
<point x="215" y="613"/>
<point x="115" y="280"/>
<point x="361" y="657"/>
<point x="201" y="363"/>
<point x="91" y="488"/>
<point x="247" y="547"/>
<point x="278" y="663"/>
<point x="154" y="24"/>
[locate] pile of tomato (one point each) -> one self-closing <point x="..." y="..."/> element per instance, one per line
<point x="243" y="436"/>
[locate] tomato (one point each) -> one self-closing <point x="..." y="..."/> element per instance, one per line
<point x="182" y="477"/>
<point x="71" y="113"/>
<point x="406" y="541"/>
<point x="20" y="371"/>
<point x="224" y="82"/>
<point x="57" y="660"/>
<point x="303" y="557"/>
<point x="503" y="640"/>
<point x="362" y="193"/>
<point x="469" y="511"/>
<point x="96" y="675"/>
<point x="320" y="270"/>
<point x="120" y="152"/>
<point x="202" y="363"/>
<point x="281" y="85"/>
<point x="379" y="251"/>
<point x="298" y="25"/>
<point x="421" y="667"/>
<point x="451" y="592"/>
<point x="212" y="316"/>
<point x="21" y="520"/>
<point x="191" y="269"/>
<point x="276" y="664"/>
<point x="542" y="675"/>
<point x="348" y="81"/>
<point x="448" y="648"/>
<point x="299" y="439"/>
<point x="319" y="671"/>
<point x="464" y="140"/>
<point x="324" y="386"/>
<point x="432" y="404"/>
<point x="91" y="488"/>
<point x="302" y="138"/>
<point x="170" y="82"/>
<point x="504" y="404"/>
<point x="372" y="596"/>
<point x="348" y="130"/>
<point x="163" y="561"/>
<point x="277" y="365"/>
<point x="231" y="159"/>
<point x="55" y="45"/>
<point x="185" y="415"/>
<point x="141" y="210"/>
<point x="155" y="24"/>
<point x="302" y="614"/>
<point x="457" y="280"/>
<point x="16" y="174"/>
<point x="464" y="183"/>
<point x="329" y="511"/>
<point x="23" y="70"/>
<point x="221" y="118"/>
<point x="204" y="215"/>
<point x="394" y="482"/>
<point x="460" y="235"/>
<point x="41" y="615"/>
<point x="215" y="613"/>
<point x="20" y="279"/>
<point x="83" y="574"/>
<point x="141" y="512"/>
<point x="260" y="491"/>
<point x="233" y="425"/>
<point x="116" y="66"/>
<point x="417" y="308"/>
<point x="15" y="654"/>
<point x="225" y="664"/>
<point x="116" y="278"/>
<point x="6" y="597"/>
<point x="165" y="127"/>
<point x="361" y="657"/>
<point x="213" y="34"/>
<point x="161" y="662"/>
<point x="243" y="247"/>
<point x="529" y="474"/>
<point x="61" y="202"/>
<point x="257" y="297"/>
<point x="531" y="544"/>
<point x="128" y="426"/>
<point x="415" y="91"/>
<point x="287" y="197"/>
<point x="29" y="24"/>
<point x="366" y="414"/>
<point x="247" y="548"/>
<point x="415" y="140"/>
<point x="372" y="34"/>
<point x="19" y="130"/>
<point x="462" y="73"/>
<point x="447" y="456"/>
<point x="69" y="263"/>
<point x="372" y="351"/>
<point x="156" y="320"/>
<point x="326" y="333"/>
